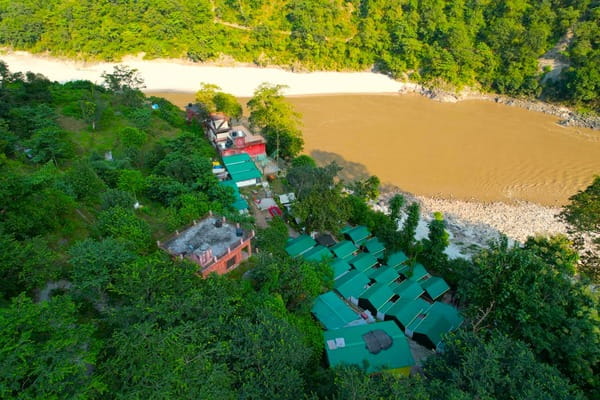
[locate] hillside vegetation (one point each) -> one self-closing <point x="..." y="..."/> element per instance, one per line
<point x="491" y="45"/>
<point x="126" y="321"/>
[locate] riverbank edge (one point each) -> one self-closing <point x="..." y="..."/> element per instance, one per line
<point x="473" y="224"/>
<point x="566" y="115"/>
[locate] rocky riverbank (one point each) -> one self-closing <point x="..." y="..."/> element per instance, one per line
<point x="567" y="116"/>
<point x="473" y="224"/>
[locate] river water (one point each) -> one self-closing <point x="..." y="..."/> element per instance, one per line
<point x="471" y="150"/>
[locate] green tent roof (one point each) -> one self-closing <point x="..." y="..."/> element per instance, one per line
<point x="317" y="253"/>
<point x="435" y="287"/>
<point x="299" y="245"/>
<point x="236" y="159"/>
<point x="363" y="262"/>
<point x="438" y="320"/>
<point x="394" y="260"/>
<point x="241" y="167"/>
<point x="377" y="295"/>
<point x="407" y="289"/>
<point x="375" y="247"/>
<point x="348" y="346"/>
<point x="344" y="249"/>
<point x="415" y="273"/>
<point x="383" y="274"/>
<point x="358" y="234"/>
<point x="246" y="175"/>
<point x="346" y="228"/>
<point x="351" y="284"/>
<point x="406" y="310"/>
<point x="332" y="311"/>
<point x="340" y="267"/>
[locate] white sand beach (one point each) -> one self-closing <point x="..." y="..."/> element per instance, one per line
<point x="183" y="76"/>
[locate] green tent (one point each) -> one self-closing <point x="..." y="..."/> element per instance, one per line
<point x="344" y="249"/>
<point x="396" y="259"/>
<point x="363" y="262"/>
<point x="404" y="311"/>
<point x="415" y="272"/>
<point x="429" y="328"/>
<point x="359" y="234"/>
<point x="317" y="253"/>
<point x="373" y="347"/>
<point x="435" y="287"/>
<point x="407" y="289"/>
<point x="238" y="203"/>
<point x="340" y="267"/>
<point x="300" y="245"/>
<point x="375" y="247"/>
<point x="351" y="285"/>
<point x="375" y="297"/>
<point x="333" y="312"/>
<point x="383" y="274"/>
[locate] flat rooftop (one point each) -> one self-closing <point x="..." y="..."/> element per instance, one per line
<point x="205" y="235"/>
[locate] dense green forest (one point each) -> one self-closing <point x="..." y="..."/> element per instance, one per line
<point x="125" y="321"/>
<point x="489" y="45"/>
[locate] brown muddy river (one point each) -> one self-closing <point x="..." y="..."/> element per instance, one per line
<point x="469" y="150"/>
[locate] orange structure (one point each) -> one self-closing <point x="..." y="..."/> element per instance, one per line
<point x="211" y="243"/>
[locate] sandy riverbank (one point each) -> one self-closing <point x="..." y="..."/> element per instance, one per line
<point x="182" y="76"/>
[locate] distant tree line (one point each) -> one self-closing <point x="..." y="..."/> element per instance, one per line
<point x="451" y="43"/>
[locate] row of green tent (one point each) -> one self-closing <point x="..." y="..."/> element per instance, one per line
<point x="398" y="293"/>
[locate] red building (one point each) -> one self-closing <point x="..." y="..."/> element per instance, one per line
<point x="213" y="244"/>
<point x="230" y="140"/>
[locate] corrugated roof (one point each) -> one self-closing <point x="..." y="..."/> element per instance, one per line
<point x="435" y="287"/>
<point x="406" y="310"/>
<point x="358" y="234"/>
<point x="317" y="253"/>
<point x="415" y="273"/>
<point x="344" y="249"/>
<point x="363" y="261"/>
<point x="351" y="284"/>
<point x="340" y="267"/>
<point x="241" y="167"/>
<point x="407" y="289"/>
<point x="394" y="260"/>
<point x="332" y="311"/>
<point x="377" y="295"/>
<point x="347" y="346"/>
<point x="236" y="159"/>
<point x="383" y="274"/>
<point x="299" y="245"/>
<point x="375" y="247"/>
<point x="246" y="175"/>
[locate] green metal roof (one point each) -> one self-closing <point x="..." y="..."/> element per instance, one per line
<point x="346" y="228"/>
<point x="246" y="175"/>
<point x="351" y="284"/>
<point x="406" y="310"/>
<point x="383" y="274"/>
<point x="394" y="260"/>
<point x="340" y="267"/>
<point x="439" y="319"/>
<point x="332" y="312"/>
<point x="375" y="247"/>
<point x="415" y="273"/>
<point x="358" y="234"/>
<point x="347" y="346"/>
<point x="363" y="261"/>
<point x="435" y="287"/>
<point x="344" y="249"/>
<point x="317" y="253"/>
<point x="299" y="245"/>
<point x="236" y="159"/>
<point x="377" y="295"/>
<point x="407" y="289"/>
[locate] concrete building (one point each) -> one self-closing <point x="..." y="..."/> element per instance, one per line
<point x="213" y="244"/>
